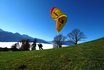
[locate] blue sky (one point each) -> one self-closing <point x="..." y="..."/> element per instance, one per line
<point x="32" y="17"/>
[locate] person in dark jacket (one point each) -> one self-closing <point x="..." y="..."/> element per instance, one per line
<point x="40" y="46"/>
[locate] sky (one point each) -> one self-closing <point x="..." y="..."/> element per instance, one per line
<point x="32" y="17"/>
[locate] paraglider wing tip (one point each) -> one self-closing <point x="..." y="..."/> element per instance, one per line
<point x="57" y="31"/>
<point x="52" y="9"/>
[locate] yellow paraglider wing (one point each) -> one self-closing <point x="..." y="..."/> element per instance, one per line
<point x="59" y="17"/>
<point x="61" y="21"/>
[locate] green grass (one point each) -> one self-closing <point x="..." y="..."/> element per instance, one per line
<point x="85" y="56"/>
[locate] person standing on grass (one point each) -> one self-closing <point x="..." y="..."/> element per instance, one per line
<point x="40" y="46"/>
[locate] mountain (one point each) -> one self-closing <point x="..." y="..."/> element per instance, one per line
<point x="1" y="30"/>
<point x="6" y="36"/>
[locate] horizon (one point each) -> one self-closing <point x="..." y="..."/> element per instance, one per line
<point x="51" y="40"/>
<point x="33" y="17"/>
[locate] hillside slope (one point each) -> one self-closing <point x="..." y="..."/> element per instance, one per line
<point x="85" y="56"/>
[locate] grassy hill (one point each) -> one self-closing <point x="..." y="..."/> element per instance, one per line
<point x="85" y="56"/>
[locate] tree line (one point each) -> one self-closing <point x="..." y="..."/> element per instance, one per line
<point x="24" y="47"/>
<point x="73" y="37"/>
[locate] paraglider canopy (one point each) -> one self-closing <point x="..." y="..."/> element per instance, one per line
<point x="59" y="17"/>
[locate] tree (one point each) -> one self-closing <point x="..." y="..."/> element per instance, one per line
<point x="34" y="44"/>
<point x="25" y="45"/>
<point x="59" y="40"/>
<point x="76" y="35"/>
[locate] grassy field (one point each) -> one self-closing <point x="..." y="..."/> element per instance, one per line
<point x="85" y="56"/>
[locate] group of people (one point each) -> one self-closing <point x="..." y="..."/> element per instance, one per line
<point x="39" y="45"/>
